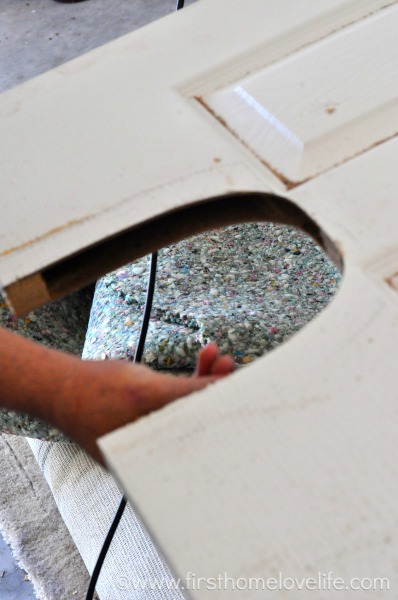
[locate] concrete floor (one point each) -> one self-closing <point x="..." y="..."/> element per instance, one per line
<point x="38" y="35"/>
<point x="13" y="585"/>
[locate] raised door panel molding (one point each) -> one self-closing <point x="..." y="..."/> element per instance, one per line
<point x="321" y="106"/>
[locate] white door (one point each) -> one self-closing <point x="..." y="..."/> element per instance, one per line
<point x="287" y="469"/>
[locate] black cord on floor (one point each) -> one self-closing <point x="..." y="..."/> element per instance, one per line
<point x="137" y="358"/>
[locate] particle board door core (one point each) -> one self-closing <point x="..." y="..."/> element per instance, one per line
<point x="287" y="468"/>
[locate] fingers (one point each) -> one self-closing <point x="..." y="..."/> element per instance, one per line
<point x="160" y="389"/>
<point x="211" y="363"/>
<point x="224" y="365"/>
<point x="206" y="359"/>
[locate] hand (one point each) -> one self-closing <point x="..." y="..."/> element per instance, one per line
<point x="87" y="399"/>
<point x="106" y="395"/>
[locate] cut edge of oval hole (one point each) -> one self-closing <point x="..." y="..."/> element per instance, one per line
<point x="89" y="264"/>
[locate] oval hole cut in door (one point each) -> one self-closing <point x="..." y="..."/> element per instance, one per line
<point x="247" y="287"/>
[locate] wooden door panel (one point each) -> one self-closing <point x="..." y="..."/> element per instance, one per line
<point x="116" y="137"/>
<point x="289" y="465"/>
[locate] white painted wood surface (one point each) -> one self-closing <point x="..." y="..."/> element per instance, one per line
<point x="117" y="136"/>
<point x="288" y="466"/>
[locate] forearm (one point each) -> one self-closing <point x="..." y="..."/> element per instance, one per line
<point x="35" y="379"/>
<point x="84" y="399"/>
<point x="87" y="399"/>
